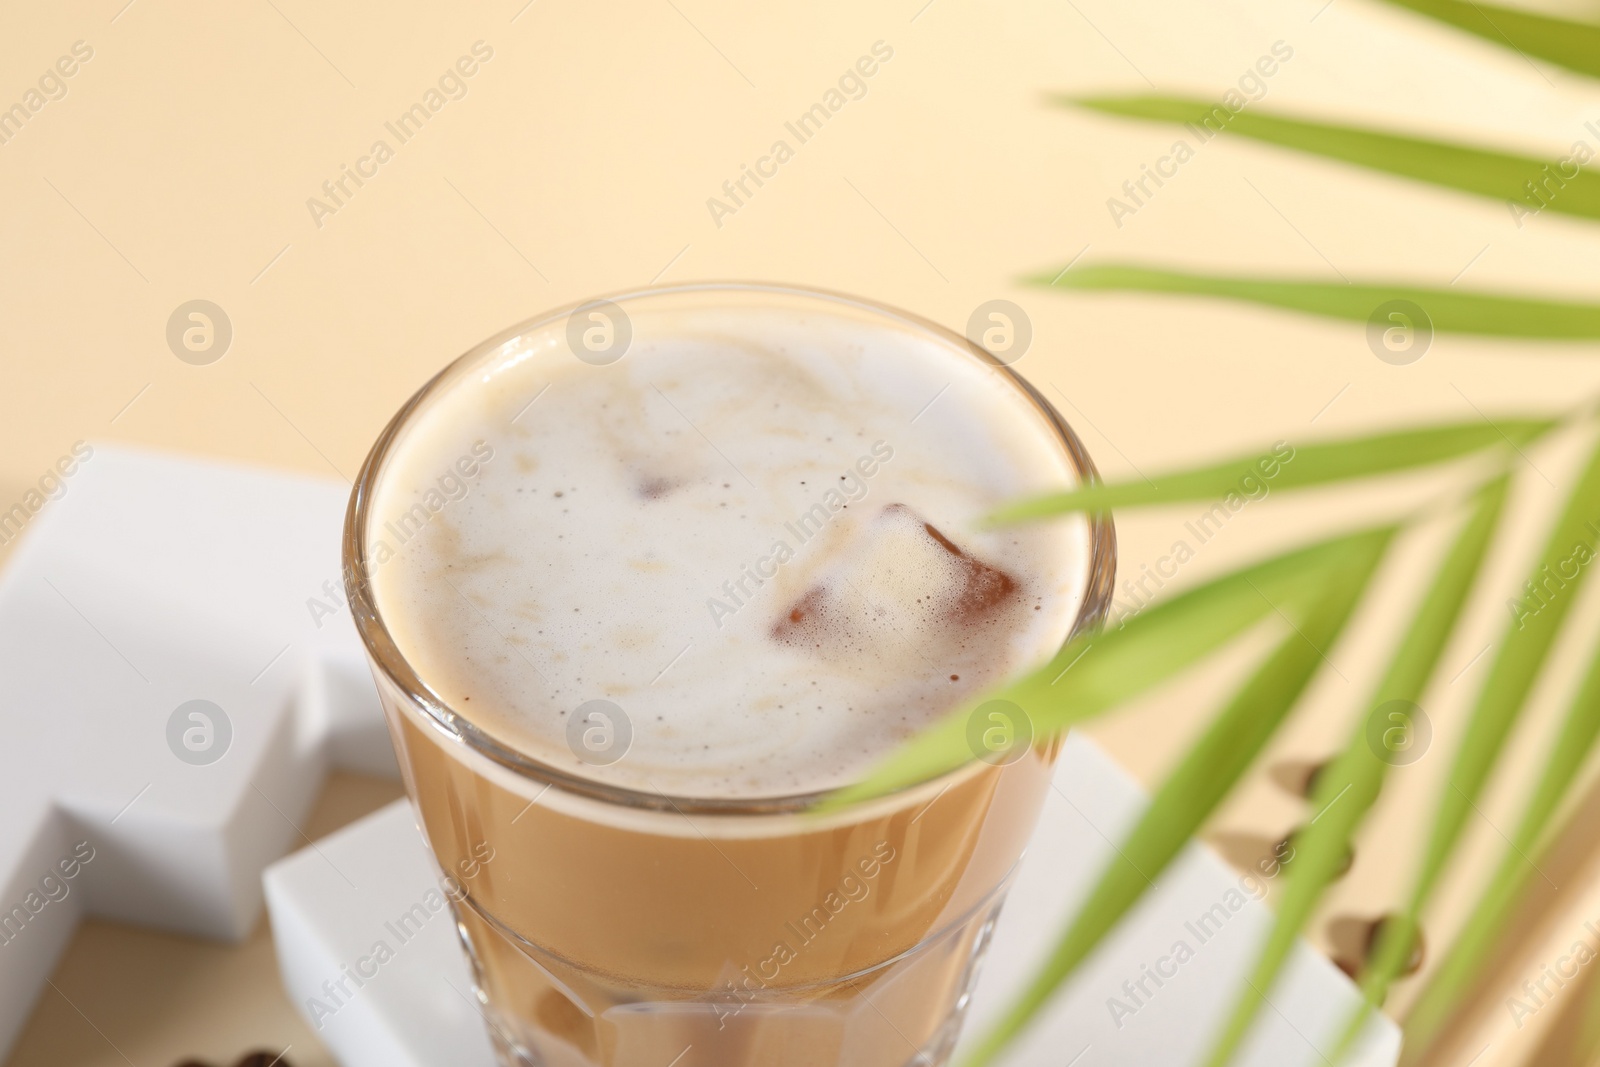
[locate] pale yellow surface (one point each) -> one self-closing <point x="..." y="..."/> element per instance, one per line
<point x="179" y="164"/>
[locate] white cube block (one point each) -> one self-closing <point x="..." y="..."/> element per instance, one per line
<point x="149" y="582"/>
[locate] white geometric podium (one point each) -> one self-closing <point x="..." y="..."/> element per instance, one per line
<point x="417" y="1009"/>
<point x="156" y="581"/>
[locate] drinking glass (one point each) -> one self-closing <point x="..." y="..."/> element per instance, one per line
<point x="614" y="927"/>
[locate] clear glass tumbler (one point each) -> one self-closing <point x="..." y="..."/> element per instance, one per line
<point x="610" y="927"/>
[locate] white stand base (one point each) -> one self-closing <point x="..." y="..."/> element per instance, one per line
<point x="329" y="907"/>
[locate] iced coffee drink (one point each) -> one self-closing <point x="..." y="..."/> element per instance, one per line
<point x="642" y="581"/>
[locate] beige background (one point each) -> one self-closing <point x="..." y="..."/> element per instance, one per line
<point x="179" y="164"/>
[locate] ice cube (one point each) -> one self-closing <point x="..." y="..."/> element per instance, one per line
<point x="901" y="577"/>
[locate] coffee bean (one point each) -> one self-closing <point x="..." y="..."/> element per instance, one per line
<point x="1297" y="777"/>
<point x="1352" y="941"/>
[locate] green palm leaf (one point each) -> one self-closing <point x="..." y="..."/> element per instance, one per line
<point x="1482" y="171"/>
<point x="1472" y="945"/>
<point x="1347" y="788"/>
<point x="1588" y="1050"/>
<point x="1516" y="667"/>
<point x="1448" y="310"/>
<point x="1574" y="45"/>
<point x="1287" y="468"/>
<point x="1208" y="771"/>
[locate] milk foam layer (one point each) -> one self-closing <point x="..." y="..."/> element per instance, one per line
<point x="755" y="535"/>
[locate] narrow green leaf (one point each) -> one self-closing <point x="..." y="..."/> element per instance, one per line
<point x="1095" y="672"/>
<point x="1523" y="651"/>
<point x="1588" y="1050"/>
<point x="1208" y="771"/>
<point x="1347" y="788"/>
<point x="1286" y="467"/>
<point x="1447" y="310"/>
<point x="1483" y="929"/>
<point x="1482" y="171"/>
<point x="1574" y="45"/>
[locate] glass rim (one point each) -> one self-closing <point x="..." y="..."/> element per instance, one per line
<point x="386" y="657"/>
